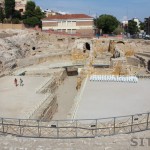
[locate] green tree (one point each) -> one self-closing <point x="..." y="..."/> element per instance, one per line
<point x="132" y="27"/>
<point x="38" y="13"/>
<point x="32" y="15"/>
<point x="107" y="23"/>
<point x="9" y="8"/>
<point x="142" y="26"/>
<point x="16" y="14"/>
<point x="32" y="21"/>
<point x="118" y="30"/>
<point x="30" y="8"/>
<point x="1" y="15"/>
<point x="126" y="28"/>
<point x="15" y="21"/>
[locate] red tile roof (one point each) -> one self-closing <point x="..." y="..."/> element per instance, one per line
<point x="68" y="16"/>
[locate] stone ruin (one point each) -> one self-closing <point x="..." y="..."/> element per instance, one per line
<point x="19" y="44"/>
<point x="22" y="49"/>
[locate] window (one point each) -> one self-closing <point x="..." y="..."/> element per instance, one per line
<point x="21" y="10"/>
<point x="64" y="30"/>
<point x="63" y="23"/>
<point x="69" y="31"/>
<point x="69" y="23"/>
<point x="59" y="30"/>
<point x="73" y="31"/>
<point x="73" y="23"/>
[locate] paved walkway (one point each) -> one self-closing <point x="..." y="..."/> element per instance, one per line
<point x="20" y="101"/>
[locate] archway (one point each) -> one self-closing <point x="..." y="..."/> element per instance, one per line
<point x="87" y="46"/>
<point x="120" y="42"/>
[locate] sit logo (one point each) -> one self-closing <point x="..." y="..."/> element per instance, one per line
<point x="140" y="142"/>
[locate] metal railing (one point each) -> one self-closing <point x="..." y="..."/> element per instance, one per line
<point x="81" y="128"/>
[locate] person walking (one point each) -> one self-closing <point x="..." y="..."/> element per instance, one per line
<point x="21" y="82"/>
<point x="15" y="82"/>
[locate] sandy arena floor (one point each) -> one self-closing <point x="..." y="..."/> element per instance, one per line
<point x="20" y="101"/>
<point x="111" y="99"/>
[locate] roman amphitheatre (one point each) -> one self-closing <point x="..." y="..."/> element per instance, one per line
<point x="73" y="87"/>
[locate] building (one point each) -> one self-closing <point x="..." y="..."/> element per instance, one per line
<point x="2" y="3"/>
<point x="137" y="21"/>
<point x="70" y="23"/>
<point x="124" y="23"/>
<point x="147" y="25"/>
<point x="50" y="12"/>
<point x="20" y="5"/>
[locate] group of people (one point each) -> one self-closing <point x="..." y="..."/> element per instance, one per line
<point x="16" y="82"/>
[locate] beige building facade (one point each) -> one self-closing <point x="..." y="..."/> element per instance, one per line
<point x="1" y="3"/>
<point x="20" y="5"/>
<point x="70" y="23"/>
<point x="50" y="13"/>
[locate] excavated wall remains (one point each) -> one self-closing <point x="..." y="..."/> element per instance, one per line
<point x="35" y="47"/>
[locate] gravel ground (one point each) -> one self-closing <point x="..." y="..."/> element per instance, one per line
<point x="118" y="142"/>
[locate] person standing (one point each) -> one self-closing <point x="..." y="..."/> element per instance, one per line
<point x="15" y="82"/>
<point x="21" y="82"/>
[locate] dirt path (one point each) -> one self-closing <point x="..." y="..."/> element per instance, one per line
<point x="65" y="97"/>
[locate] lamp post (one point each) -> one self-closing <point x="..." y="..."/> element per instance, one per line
<point x="148" y="25"/>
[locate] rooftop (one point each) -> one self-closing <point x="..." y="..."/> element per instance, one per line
<point x="68" y="16"/>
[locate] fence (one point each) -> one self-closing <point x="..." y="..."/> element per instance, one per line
<point x="89" y="128"/>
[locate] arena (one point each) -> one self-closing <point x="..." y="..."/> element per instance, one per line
<point x="58" y="99"/>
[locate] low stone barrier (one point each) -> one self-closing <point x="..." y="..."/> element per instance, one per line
<point x="12" y="26"/>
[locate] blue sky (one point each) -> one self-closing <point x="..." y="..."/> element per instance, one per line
<point x="122" y="9"/>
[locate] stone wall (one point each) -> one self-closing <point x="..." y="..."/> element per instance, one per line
<point x="12" y="26"/>
<point x="49" y="106"/>
<point x="37" y="60"/>
<point x="86" y="32"/>
<point x="133" y="61"/>
<point x="46" y="110"/>
<point x="27" y="47"/>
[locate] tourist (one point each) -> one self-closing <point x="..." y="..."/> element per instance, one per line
<point x="15" y="82"/>
<point x="21" y="82"/>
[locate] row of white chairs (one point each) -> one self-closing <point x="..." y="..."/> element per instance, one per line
<point x="112" y="78"/>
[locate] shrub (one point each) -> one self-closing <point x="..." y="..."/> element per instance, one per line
<point x="15" y="21"/>
<point x="31" y="22"/>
